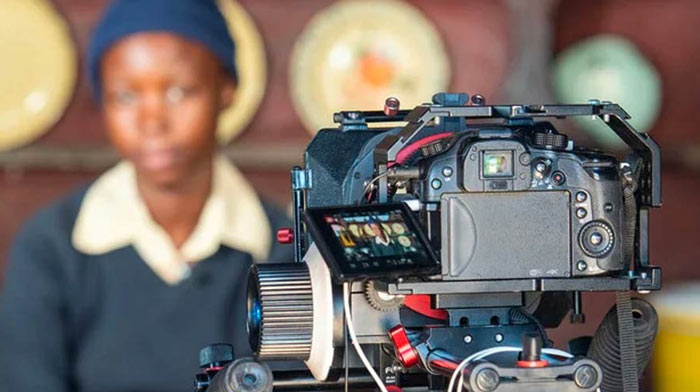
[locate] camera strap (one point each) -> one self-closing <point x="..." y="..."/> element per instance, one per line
<point x="628" y="355"/>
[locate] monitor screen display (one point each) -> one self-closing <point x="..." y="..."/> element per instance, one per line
<point x="371" y="241"/>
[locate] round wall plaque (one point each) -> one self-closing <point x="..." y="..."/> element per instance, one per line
<point x="354" y="54"/>
<point x="252" y="71"/>
<point x="38" y="70"/>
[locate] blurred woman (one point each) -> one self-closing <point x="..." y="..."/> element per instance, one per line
<point x="117" y="286"/>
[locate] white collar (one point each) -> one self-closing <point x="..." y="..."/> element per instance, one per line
<point x="113" y="215"/>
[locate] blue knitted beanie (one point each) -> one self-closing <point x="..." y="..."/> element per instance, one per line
<point x="198" y="20"/>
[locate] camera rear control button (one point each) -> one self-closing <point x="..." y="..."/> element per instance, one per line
<point x="447" y="171"/>
<point x="581" y="196"/>
<point x="541" y="167"/>
<point x="525" y="158"/>
<point x="558" y="178"/>
<point x="581" y="213"/>
<point x="436" y="183"/>
<point x="581" y="265"/>
<point x="596" y="239"/>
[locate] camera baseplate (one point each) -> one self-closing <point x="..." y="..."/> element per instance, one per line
<point x="643" y="279"/>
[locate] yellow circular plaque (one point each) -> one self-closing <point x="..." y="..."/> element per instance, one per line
<point x="38" y="70"/>
<point x="252" y="71"/>
<point x="355" y="54"/>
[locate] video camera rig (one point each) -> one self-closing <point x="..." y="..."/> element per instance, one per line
<point x="497" y="223"/>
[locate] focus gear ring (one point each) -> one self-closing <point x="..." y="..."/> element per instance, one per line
<point x="280" y="311"/>
<point x="381" y="300"/>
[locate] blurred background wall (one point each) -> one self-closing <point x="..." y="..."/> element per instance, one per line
<point x="501" y="49"/>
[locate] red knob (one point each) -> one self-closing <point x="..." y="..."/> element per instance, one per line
<point x="406" y="353"/>
<point x="391" y="106"/>
<point x="285" y="236"/>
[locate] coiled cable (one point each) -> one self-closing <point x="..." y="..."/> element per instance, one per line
<point x="605" y="346"/>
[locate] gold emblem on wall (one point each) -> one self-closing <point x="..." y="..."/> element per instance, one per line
<point x="355" y="54"/>
<point x="38" y="70"/>
<point x="252" y="71"/>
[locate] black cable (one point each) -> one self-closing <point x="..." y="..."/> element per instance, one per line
<point x="345" y="357"/>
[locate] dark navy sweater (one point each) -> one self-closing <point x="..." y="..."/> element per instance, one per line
<point x="76" y="322"/>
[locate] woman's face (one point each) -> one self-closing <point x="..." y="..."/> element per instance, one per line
<point x="161" y="98"/>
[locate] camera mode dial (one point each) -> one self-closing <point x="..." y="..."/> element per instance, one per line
<point x="544" y="135"/>
<point x="550" y="140"/>
<point x="597" y="239"/>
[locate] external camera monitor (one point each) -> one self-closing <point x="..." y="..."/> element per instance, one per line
<point x="372" y="241"/>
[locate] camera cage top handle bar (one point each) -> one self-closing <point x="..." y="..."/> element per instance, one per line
<point x="612" y="114"/>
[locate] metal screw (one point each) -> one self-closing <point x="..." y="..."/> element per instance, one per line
<point x="394" y="369"/>
<point x="478" y="100"/>
<point x="581" y="197"/>
<point x="498" y="338"/>
<point x="581" y="265"/>
<point x="468" y="339"/>
<point x="201" y="382"/>
<point x="447" y="171"/>
<point x="585" y="376"/>
<point x="487" y="380"/>
<point x="436" y="183"/>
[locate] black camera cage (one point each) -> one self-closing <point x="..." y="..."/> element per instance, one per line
<point x="642" y="278"/>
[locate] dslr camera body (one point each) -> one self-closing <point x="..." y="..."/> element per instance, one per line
<point x="460" y="237"/>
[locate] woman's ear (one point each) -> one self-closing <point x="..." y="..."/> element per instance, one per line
<point x="227" y="93"/>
